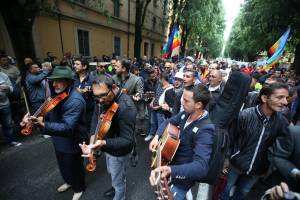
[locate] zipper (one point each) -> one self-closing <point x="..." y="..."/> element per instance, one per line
<point x="257" y="147"/>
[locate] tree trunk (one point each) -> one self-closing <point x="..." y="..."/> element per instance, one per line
<point x="174" y="14"/>
<point x="141" y="10"/>
<point x="185" y="34"/>
<point x="19" y="27"/>
<point x="297" y="59"/>
<point x="138" y="30"/>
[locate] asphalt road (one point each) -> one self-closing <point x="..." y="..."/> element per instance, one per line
<point x="30" y="172"/>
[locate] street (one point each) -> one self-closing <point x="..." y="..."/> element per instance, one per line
<point x="31" y="172"/>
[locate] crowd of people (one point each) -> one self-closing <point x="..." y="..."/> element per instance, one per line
<point x="150" y="94"/>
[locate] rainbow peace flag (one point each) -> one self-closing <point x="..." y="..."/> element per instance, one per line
<point x="173" y="43"/>
<point x="276" y="50"/>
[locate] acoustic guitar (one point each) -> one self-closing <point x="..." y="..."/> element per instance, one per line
<point x="168" y="144"/>
<point x="164" y="154"/>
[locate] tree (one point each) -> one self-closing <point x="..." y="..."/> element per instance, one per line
<point x="201" y="23"/>
<point x="260" y="24"/>
<point x="140" y="14"/>
<point x="19" y="25"/>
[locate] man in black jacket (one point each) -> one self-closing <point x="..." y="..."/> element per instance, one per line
<point x="257" y="129"/>
<point x="119" y="140"/>
<point x="285" y="156"/>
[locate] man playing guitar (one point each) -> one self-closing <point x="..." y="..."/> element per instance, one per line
<point x="191" y="161"/>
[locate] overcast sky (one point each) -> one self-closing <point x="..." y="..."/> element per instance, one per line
<point x="232" y="8"/>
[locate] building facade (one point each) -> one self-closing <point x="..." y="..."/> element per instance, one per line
<point x="82" y="28"/>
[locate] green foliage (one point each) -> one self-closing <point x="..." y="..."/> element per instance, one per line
<point x="259" y="26"/>
<point x="202" y="24"/>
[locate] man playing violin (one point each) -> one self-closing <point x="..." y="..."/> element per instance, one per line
<point x="119" y="140"/>
<point x="191" y="159"/>
<point x="65" y="123"/>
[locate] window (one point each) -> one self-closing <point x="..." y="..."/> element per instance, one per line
<point x="116" y="8"/>
<point x="153" y="23"/>
<point x="152" y="50"/>
<point x="117" y="46"/>
<point x="146" y="46"/>
<point x="83" y="42"/>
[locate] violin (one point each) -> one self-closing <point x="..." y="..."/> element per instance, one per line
<point x="47" y="106"/>
<point x="102" y="129"/>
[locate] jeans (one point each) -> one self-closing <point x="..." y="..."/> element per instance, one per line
<point x="242" y="182"/>
<point x="6" y="121"/>
<point x="178" y="193"/>
<point x="155" y="121"/>
<point x="116" y="167"/>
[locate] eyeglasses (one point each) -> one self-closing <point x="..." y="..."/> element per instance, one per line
<point x="97" y="97"/>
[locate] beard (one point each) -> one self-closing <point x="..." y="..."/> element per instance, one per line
<point x="60" y="90"/>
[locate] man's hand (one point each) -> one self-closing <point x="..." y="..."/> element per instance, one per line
<point x="226" y="166"/>
<point x="87" y="149"/>
<point x="165" y="107"/>
<point x="278" y="191"/>
<point x="38" y="121"/>
<point x="136" y="97"/>
<point x="153" y="144"/>
<point x="165" y="172"/>
<point x="4" y="87"/>
<point x="25" y="120"/>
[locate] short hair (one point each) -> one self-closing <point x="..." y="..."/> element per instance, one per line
<point x="268" y="90"/>
<point x="31" y="64"/>
<point x="107" y="80"/>
<point x="126" y="63"/>
<point x="83" y="61"/>
<point x="165" y="76"/>
<point x="194" y="72"/>
<point x="201" y="94"/>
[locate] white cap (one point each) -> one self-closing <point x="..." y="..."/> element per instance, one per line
<point x="190" y="58"/>
<point x="179" y="75"/>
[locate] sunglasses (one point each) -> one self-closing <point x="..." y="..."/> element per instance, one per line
<point x="97" y="97"/>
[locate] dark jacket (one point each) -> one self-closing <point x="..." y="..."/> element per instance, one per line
<point x="285" y="156"/>
<point x="120" y="138"/>
<point x="215" y="96"/>
<point x="177" y="103"/>
<point x="191" y="160"/>
<point x="169" y="99"/>
<point x="252" y="99"/>
<point x="36" y="89"/>
<point x="253" y="136"/>
<point x="88" y="96"/>
<point x="66" y="123"/>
